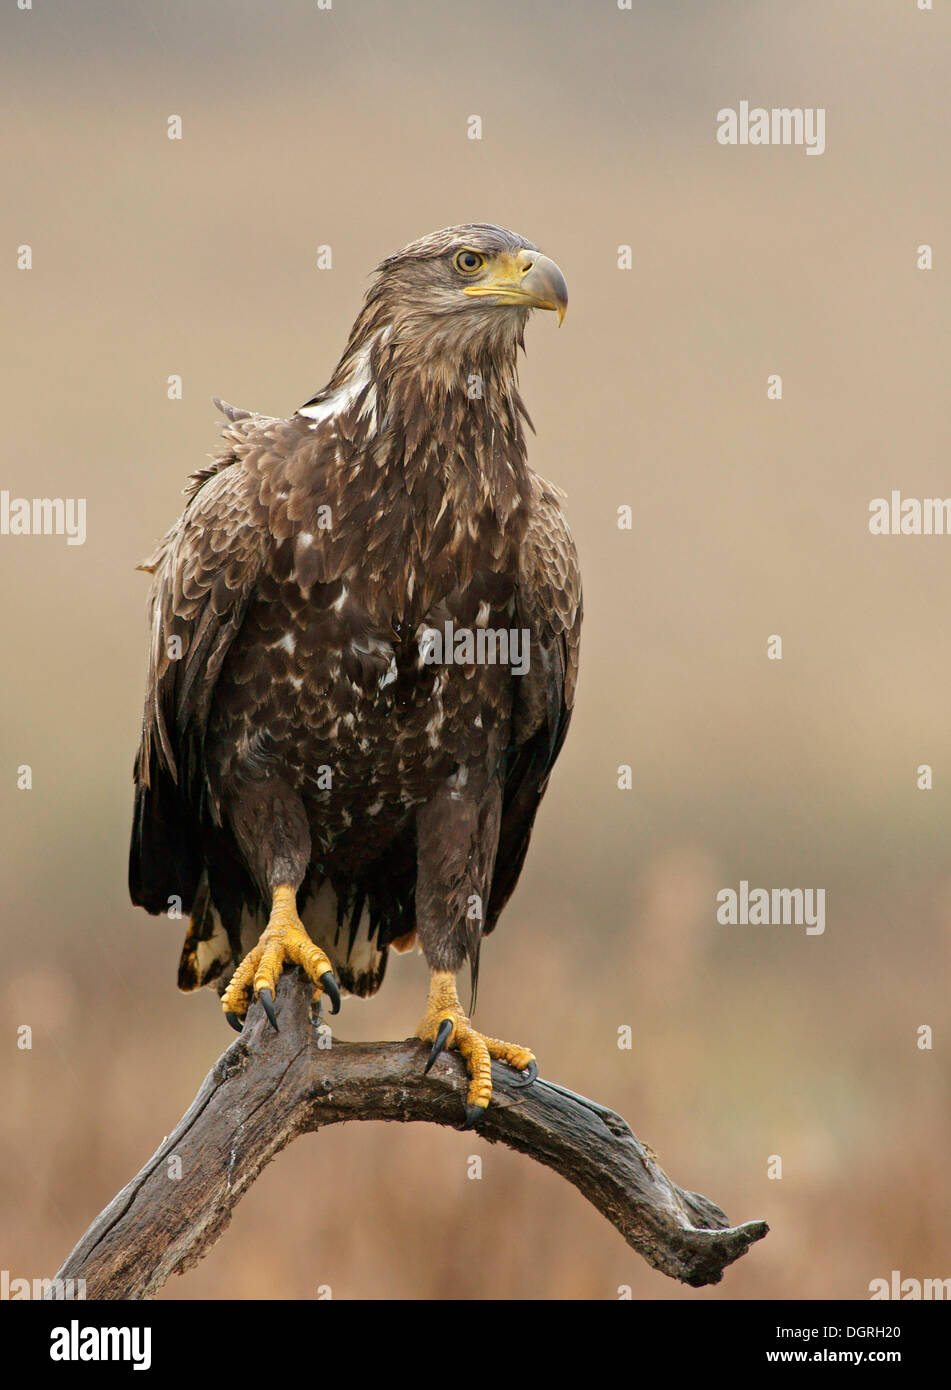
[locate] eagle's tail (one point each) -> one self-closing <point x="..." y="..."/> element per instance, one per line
<point x="343" y="926"/>
<point x="346" y="926"/>
<point x="207" y="955"/>
<point x="164" y="869"/>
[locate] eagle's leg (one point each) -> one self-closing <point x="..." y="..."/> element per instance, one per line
<point x="445" y="1025"/>
<point x="284" y="941"/>
<point x="457" y="836"/>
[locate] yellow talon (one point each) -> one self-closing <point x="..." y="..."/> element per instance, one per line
<point x="442" y="1007"/>
<point x="284" y="941"/>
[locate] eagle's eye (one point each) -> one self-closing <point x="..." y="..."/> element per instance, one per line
<point x="468" y="262"/>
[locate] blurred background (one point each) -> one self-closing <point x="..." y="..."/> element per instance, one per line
<point x="198" y="257"/>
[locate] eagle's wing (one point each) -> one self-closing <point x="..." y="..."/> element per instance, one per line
<point x="547" y="603"/>
<point x="204" y="572"/>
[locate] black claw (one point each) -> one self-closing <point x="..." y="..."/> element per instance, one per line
<point x="474" y="1114"/>
<point x="329" y="986"/>
<point x="527" y="1075"/>
<point x="267" y="1003"/>
<point x="235" y="1022"/>
<point x="442" y="1037"/>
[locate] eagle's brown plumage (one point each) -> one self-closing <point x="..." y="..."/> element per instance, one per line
<point x="293" y="732"/>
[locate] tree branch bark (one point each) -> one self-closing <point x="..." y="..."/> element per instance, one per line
<point x="268" y="1088"/>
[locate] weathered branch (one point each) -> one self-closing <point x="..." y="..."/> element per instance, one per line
<point x="270" y="1087"/>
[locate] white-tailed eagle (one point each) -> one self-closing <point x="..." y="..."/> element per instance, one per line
<point x="365" y="634"/>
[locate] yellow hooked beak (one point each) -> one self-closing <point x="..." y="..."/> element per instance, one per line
<point x="529" y="279"/>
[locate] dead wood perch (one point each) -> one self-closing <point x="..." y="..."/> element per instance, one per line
<point x="270" y="1087"/>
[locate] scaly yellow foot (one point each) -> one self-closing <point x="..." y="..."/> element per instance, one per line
<point x="445" y="1025"/>
<point x="283" y="941"/>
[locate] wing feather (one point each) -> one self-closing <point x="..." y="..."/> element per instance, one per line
<point x="549" y="604"/>
<point x="204" y="571"/>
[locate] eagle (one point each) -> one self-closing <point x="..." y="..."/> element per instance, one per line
<point x="364" y="650"/>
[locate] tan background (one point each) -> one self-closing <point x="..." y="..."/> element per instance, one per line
<point x="197" y="257"/>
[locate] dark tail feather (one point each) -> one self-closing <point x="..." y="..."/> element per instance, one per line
<point x="473" y="947"/>
<point x="163" y="858"/>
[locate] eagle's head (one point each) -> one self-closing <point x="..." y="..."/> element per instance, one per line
<point x="448" y="309"/>
<point x="469" y="272"/>
<point x="462" y="293"/>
